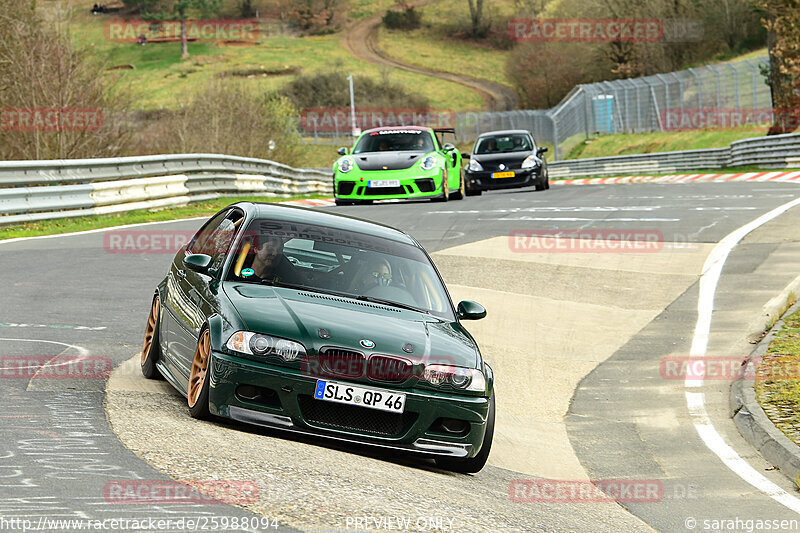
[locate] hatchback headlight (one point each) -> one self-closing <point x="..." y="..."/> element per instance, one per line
<point x="531" y="162"/>
<point x="428" y="163"/>
<point x="469" y="379"/>
<point x="345" y="165"/>
<point x="265" y="345"/>
<point x="475" y="166"/>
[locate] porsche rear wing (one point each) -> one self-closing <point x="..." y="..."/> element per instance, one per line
<point x="440" y="132"/>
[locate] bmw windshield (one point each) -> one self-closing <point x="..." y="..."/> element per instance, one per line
<point x="345" y="263"/>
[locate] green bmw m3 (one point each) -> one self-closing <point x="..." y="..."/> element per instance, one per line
<point x="325" y="325"/>
<point x="409" y="162"/>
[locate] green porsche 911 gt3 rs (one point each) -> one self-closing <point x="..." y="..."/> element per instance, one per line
<point x="322" y="324"/>
<point x="398" y="162"/>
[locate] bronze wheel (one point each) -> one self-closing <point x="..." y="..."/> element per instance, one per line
<point x="150" y="347"/>
<point x="461" y="192"/>
<point x="197" y="395"/>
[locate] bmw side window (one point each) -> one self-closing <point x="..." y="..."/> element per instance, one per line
<point x="215" y="240"/>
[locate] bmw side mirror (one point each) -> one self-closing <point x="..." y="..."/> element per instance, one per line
<point x="448" y="147"/>
<point x="197" y="262"/>
<point x="469" y="310"/>
<point x="541" y="150"/>
<point x="464" y="155"/>
<point x="342" y="151"/>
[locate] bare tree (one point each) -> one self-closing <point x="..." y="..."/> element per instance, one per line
<point x="782" y="21"/>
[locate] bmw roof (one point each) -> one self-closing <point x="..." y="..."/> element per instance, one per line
<point x="331" y="220"/>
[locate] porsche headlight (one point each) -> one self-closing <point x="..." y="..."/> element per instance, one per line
<point x="265" y="345"/>
<point x="428" y="163"/>
<point x="531" y="162"/>
<point x="475" y="166"/>
<point x="468" y="379"/>
<point x="345" y="165"/>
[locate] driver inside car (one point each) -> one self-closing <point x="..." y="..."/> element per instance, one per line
<point x="269" y="262"/>
<point x="376" y="272"/>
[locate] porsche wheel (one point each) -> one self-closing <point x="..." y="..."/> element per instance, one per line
<point x="473" y="464"/>
<point x="460" y="193"/>
<point x="445" y="191"/>
<point x="197" y="395"/>
<point x="150" y="348"/>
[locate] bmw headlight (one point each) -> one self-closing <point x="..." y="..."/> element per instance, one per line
<point x="265" y="345"/>
<point x="428" y="163"/>
<point x="475" y="166"/>
<point x="468" y="379"/>
<point x="345" y="165"/>
<point x="531" y="162"/>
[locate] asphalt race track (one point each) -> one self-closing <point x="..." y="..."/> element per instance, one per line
<point x="576" y="340"/>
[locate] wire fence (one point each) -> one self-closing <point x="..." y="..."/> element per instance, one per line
<point x="721" y="95"/>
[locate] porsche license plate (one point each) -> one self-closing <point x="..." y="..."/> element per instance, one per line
<point x="503" y="174"/>
<point x="382" y="400"/>
<point x="383" y="183"/>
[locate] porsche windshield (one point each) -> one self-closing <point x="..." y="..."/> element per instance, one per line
<point x="335" y="261"/>
<point x="395" y="141"/>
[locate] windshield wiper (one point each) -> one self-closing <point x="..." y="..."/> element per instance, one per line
<point x="286" y="285"/>
<point x="374" y="300"/>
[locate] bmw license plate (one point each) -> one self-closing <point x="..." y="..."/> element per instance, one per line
<point x="374" y="399"/>
<point x="383" y="183"/>
<point x="503" y="174"/>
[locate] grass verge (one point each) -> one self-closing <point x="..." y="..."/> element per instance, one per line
<point x="69" y="225"/>
<point x="667" y="141"/>
<point x="778" y="378"/>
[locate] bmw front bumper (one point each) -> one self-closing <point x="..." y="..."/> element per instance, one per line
<point x="285" y="401"/>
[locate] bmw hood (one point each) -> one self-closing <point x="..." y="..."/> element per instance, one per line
<point x="300" y="315"/>
<point x="387" y="160"/>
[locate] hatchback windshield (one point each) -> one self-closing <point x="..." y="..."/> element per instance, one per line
<point x="504" y="143"/>
<point x="335" y="261"/>
<point x="395" y="141"/>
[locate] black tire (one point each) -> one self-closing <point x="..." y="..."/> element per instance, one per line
<point x="547" y="181"/>
<point x="459" y="194"/>
<point x="151" y="350"/>
<point x="473" y="464"/>
<point x="197" y="391"/>
<point x="474" y="192"/>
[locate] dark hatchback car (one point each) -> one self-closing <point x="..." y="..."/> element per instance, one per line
<point x="322" y="325"/>
<point x="505" y="160"/>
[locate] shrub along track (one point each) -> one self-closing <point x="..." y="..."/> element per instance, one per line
<point x="361" y="39"/>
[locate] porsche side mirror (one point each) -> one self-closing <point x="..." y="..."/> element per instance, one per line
<point x="448" y="147"/>
<point x="541" y="150"/>
<point x="469" y="310"/>
<point x="197" y="262"/>
<point x="342" y="151"/>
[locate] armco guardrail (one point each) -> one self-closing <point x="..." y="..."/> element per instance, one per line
<point x="774" y="152"/>
<point x="39" y="190"/>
